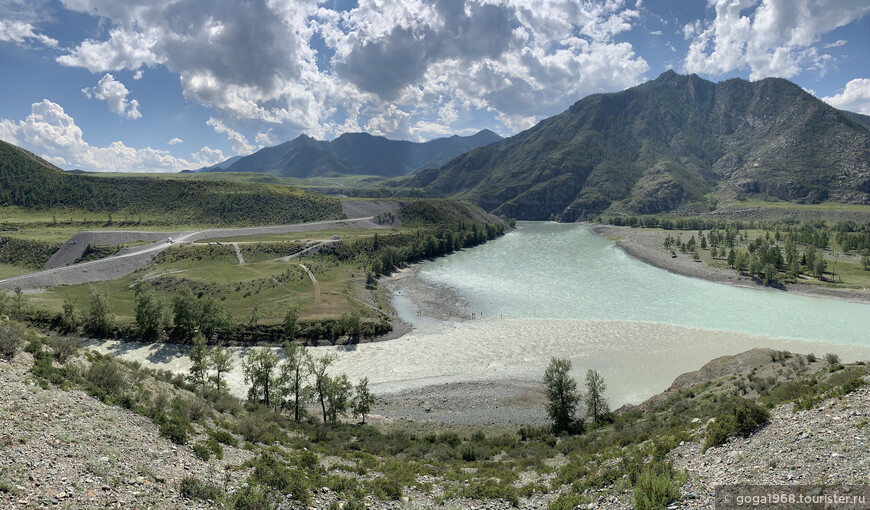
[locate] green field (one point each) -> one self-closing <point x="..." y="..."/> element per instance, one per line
<point x="337" y="182"/>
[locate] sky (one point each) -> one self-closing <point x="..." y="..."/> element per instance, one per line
<point x="167" y="85"/>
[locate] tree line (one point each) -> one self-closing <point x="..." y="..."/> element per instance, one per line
<point x="285" y="384"/>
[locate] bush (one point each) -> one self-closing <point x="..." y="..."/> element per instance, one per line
<point x="743" y="421"/>
<point x="270" y="472"/>
<point x="11" y="337"/>
<point x="468" y="453"/>
<point x="194" y="488"/>
<point x="175" y="428"/>
<point x="201" y="451"/>
<point x="63" y="347"/>
<point x="106" y="378"/>
<point x="657" y="486"/>
<point x="253" y="497"/>
<point x="222" y="436"/>
<point x="491" y="489"/>
<point x="832" y="359"/>
<point x="567" y="501"/>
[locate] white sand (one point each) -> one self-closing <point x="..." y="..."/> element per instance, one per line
<point x="636" y="359"/>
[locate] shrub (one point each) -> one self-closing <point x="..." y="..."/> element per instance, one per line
<point x="11" y="337"/>
<point x="272" y="473"/>
<point x="106" y="378"/>
<point x="201" y="451"/>
<point x="832" y="359"/>
<point x="468" y="453"/>
<point x="63" y="347"/>
<point x="491" y="489"/>
<point x="194" y="488"/>
<point x="175" y="428"/>
<point x="743" y="421"/>
<point x="253" y="497"/>
<point x="196" y="408"/>
<point x="222" y="436"/>
<point x="386" y="488"/>
<point x="567" y="501"/>
<point x="657" y="486"/>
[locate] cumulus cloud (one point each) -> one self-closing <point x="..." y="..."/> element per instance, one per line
<point x="20" y="32"/>
<point x="51" y="132"/>
<point x="114" y="93"/>
<point x="285" y="68"/>
<point x="238" y="140"/>
<point x="854" y="98"/>
<point x="175" y="141"/>
<point x="773" y="38"/>
<point x="208" y="156"/>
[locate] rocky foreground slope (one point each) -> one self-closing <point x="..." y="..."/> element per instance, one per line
<point x="67" y="449"/>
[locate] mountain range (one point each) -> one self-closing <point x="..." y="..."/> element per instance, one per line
<point x="676" y="143"/>
<point x="355" y="154"/>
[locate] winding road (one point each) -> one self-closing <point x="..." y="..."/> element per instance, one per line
<point x="132" y="259"/>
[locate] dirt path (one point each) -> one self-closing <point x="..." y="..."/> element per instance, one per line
<point x="311" y="249"/>
<point x="314" y="281"/>
<point x="239" y="254"/>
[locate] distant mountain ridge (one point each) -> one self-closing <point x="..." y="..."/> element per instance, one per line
<point x="356" y="154"/>
<point x="676" y="143"/>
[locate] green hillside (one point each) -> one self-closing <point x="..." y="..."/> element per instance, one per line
<point x="30" y="183"/>
<point x="677" y="143"/>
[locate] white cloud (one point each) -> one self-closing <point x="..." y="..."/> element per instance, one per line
<point x="387" y="64"/>
<point x="264" y="139"/>
<point x="238" y="140"/>
<point x="836" y="44"/>
<point x="114" y="93"/>
<point x="50" y="131"/>
<point x="207" y="156"/>
<point x="19" y="32"/>
<point x="773" y="38"/>
<point x="656" y="32"/>
<point x="138" y="75"/>
<point x="175" y="141"/>
<point x="854" y="98"/>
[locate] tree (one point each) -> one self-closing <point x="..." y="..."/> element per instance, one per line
<point x="363" y="399"/>
<point x="291" y="384"/>
<point x="150" y="313"/>
<point x="258" y="368"/>
<point x="317" y="367"/>
<point x="291" y="319"/>
<point x="562" y="397"/>
<point x="338" y="394"/>
<point x="200" y="361"/>
<point x="69" y="318"/>
<point x="221" y="363"/>
<point x="101" y="321"/>
<point x="186" y="314"/>
<point x="19" y="305"/>
<point x="213" y="317"/>
<point x="820" y="266"/>
<point x="596" y="405"/>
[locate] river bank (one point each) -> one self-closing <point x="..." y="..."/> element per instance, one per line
<point x="646" y="246"/>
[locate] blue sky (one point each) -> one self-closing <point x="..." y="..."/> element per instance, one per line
<point x="166" y="85"/>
